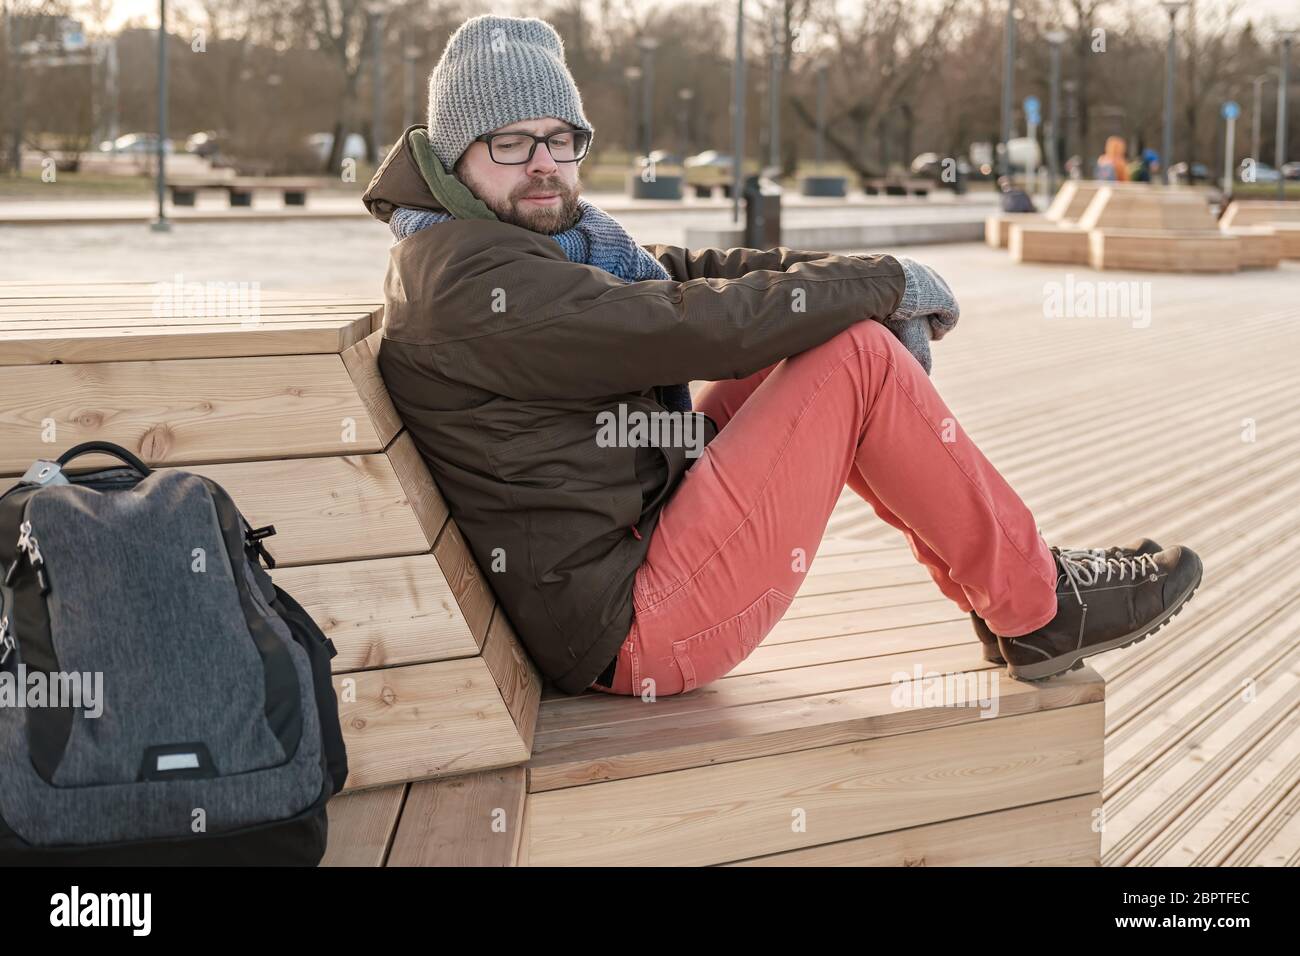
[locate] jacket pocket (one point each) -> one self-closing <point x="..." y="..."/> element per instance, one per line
<point x="716" y="651"/>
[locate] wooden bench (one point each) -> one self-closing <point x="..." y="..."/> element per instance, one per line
<point x="1244" y="217"/>
<point x="809" y="753"/>
<point x="822" y="747"/>
<point x="239" y="189"/>
<point x="1258" y="247"/>
<point x="886" y="186"/>
<point x="1066" y="206"/>
<point x="1156" y="230"/>
<point x="1257" y="212"/>
<point x="290" y="416"/>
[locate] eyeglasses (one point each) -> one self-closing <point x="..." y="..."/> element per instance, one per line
<point x="515" y="149"/>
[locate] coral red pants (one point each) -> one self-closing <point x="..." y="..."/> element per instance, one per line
<point x="735" y="538"/>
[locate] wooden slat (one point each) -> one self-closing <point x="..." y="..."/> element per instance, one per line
<point x="474" y="819"/>
<point x="423" y="496"/>
<point x="750" y="716"/>
<point x="185" y="411"/>
<point x="102" y="313"/>
<point x="1054" y="833"/>
<point x="362" y="363"/>
<point x="748" y="808"/>
<point x="324" y="509"/>
<point x="361" y="826"/>
<point x="422" y="721"/>
<point x="466" y="580"/>
<point x="515" y="674"/>
<point x="383" y="612"/>
<point x="149" y="344"/>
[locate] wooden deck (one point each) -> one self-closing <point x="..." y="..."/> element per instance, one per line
<point x="1183" y="430"/>
<point x="1109" y="431"/>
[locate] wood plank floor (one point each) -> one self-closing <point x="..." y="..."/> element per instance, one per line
<point x="1184" y="429"/>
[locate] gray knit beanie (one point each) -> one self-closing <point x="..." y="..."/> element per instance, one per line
<point x="496" y="71"/>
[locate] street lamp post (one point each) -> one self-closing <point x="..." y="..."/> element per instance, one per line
<point x="632" y="74"/>
<point x="774" y="88"/>
<point x="738" y="113"/>
<point x="685" y="95"/>
<point x="161" y="224"/>
<point x="1055" y="38"/>
<point x="375" y="11"/>
<point x="647" y="90"/>
<point x="1080" y="170"/>
<point x="821" y="117"/>
<point x="1167" y="144"/>
<point x="1258" y="83"/>
<point x="410" y="54"/>
<point x="1008" y="79"/>
<point x="1279" y="154"/>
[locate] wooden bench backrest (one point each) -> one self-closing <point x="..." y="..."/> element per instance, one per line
<point x="1259" y="213"/>
<point x="281" y="402"/>
<point x="1145" y="207"/>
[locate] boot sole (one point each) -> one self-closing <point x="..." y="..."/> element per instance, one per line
<point x="1073" y="661"/>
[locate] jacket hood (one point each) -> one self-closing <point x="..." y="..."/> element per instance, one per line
<point x="399" y="182"/>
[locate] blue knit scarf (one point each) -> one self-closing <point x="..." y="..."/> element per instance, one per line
<point x="598" y="239"/>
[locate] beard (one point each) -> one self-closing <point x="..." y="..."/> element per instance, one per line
<point x="547" y="220"/>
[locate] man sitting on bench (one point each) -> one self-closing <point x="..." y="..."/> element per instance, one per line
<point x="536" y="353"/>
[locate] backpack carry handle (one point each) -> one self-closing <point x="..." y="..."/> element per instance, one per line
<point x="107" y="448"/>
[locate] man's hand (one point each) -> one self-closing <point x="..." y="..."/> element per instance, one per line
<point x="927" y="310"/>
<point x="926" y="295"/>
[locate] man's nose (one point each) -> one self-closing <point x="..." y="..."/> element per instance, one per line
<point x="542" y="161"/>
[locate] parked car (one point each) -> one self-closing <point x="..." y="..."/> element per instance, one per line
<point x="665" y="157"/>
<point x="710" y="157"/>
<point x="134" y="144"/>
<point x="931" y="166"/>
<point x="1263" y="173"/>
<point x="206" y="144"/>
<point x="1291" y="171"/>
<point x="1178" y="173"/>
<point x="354" y="146"/>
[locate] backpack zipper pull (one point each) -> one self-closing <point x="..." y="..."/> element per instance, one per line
<point x="24" y="539"/>
<point x="28" y="546"/>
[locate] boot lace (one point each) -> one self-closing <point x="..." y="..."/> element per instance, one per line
<point x="1084" y="566"/>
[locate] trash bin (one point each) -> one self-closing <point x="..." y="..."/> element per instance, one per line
<point x="762" y="212"/>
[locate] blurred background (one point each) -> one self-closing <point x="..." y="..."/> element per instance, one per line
<point x="280" y="87"/>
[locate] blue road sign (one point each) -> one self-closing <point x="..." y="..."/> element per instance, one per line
<point x="1231" y="110"/>
<point x="1033" y="110"/>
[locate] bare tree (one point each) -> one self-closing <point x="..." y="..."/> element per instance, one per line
<point x="342" y="30"/>
<point x="880" y="60"/>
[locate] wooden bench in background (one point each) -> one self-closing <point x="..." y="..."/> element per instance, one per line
<point x="459" y="753"/>
<point x="1254" y="219"/>
<point x="240" y="189"/>
<point x="1156" y="229"/>
<point x="1143" y="227"/>
<point x="1067" y="205"/>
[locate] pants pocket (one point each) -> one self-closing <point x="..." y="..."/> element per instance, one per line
<point x="714" y="652"/>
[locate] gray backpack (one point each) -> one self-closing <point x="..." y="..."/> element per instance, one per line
<point x="161" y="699"/>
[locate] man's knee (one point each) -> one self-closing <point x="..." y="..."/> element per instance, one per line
<point x="875" y="335"/>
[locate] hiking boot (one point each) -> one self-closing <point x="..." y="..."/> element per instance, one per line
<point x="989" y="640"/>
<point x="1102" y="604"/>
